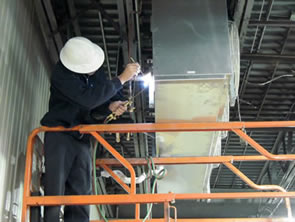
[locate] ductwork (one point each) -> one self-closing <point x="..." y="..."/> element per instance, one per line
<point x="194" y="77"/>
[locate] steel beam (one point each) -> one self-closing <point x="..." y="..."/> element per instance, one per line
<point x="245" y="21"/>
<point x="239" y="10"/>
<point x="94" y="4"/>
<point x="45" y="29"/>
<point x="104" y="44"/>
<point x="68" y="21"/>
<point x="274" y="23"/>
<point x="268" y="11"/>
<point x="75" y="23"/>
<point x="53" y="23"/>
<point x="268" y="58"/>
<point x="103" y="12"/>
<point x="138" y="31"/>
<point x="123" y="29"/>
<point x="249" y="67"/>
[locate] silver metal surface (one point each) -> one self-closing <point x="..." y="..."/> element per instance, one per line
<point x="235" y="60"/>
<point x="37" y="164"/>
<point x="189" y="101"/>
<point x="190" y="39"/>
<point x="192" y="66"/>
<point x="24" y="92"/>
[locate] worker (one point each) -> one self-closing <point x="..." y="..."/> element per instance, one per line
<point x="78" y="87"/>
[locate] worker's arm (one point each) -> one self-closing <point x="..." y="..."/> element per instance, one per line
<point x="108" y="107"/>
<point x="76" y="90"/>
<point x="116" y="107"/>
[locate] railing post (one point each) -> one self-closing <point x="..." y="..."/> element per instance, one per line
<point x="28" y="175"/>
<point x="137" y="211"/>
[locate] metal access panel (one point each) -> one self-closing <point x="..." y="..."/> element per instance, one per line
<point x="190" y="39"/>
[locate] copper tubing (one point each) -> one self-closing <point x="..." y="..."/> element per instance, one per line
<point x="118" y="139"/>
<point x="260" y="187"/>
<point x="166" y="212"/>
<point x="175" y="212"/>
<point x="128" y="137"/>
<point x="120" y="158"/>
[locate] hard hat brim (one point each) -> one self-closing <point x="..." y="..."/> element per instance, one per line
<point x="93" y="65"/>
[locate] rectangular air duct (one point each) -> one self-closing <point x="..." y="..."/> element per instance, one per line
<point x="192" y="68"/>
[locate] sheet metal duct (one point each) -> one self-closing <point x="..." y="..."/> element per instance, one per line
<point x="190" y="39"/>
<point x="192" y="68"/>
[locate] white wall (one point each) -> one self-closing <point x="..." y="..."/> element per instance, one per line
<point x="24" y="92"/>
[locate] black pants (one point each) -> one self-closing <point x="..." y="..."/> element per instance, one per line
<point x="67" y="172"/>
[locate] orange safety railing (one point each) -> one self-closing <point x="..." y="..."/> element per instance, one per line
<point x="137" y="199"/>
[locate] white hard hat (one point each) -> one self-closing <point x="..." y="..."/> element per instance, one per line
<point x="80" y="55"/>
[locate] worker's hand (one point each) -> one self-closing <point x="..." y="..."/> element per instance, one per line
<point x="118" y="107"/>
<point x="131" y="70"/>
